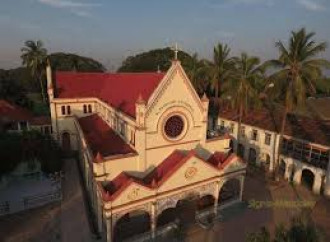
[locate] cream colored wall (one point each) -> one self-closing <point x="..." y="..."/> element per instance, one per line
<point x="248" y="143"/>
<point x="217" y="145"/>
<point x="175" y="97"/>
<point x="132" y="193"/>
<point x="203" y="172"/>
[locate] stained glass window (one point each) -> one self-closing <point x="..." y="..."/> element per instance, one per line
<point x="174" y="126"/>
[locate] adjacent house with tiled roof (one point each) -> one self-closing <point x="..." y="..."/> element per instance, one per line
<point x="305" y="152"/>
<point x="14" y="118"/>
<point x="144" y="147"/>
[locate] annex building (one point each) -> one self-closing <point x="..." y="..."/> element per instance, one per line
<point x="144" y="149"/>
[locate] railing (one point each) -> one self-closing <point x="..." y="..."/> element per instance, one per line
<point x="218" y="132"/>
<point x="35" y="201"/>
<point x="4" y="207"/>
<point x="321" y="162"/>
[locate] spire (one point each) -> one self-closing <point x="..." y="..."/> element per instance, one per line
<point x="140" y="100"/>
<point x="204" y="98"/>
<point x="99" y="157"/>
<point x="153" y="183"/>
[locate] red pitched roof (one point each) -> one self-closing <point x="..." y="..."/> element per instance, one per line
<point x="120" y="90"/>
<point x="13" y="112"/>
<point x="161" y="173"/>
<point x="101" y="138"/>
<point x="297" y="126"/>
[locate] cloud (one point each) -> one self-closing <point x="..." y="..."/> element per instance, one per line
<point x="311" y="5"/>
<point x="81" y="9"/>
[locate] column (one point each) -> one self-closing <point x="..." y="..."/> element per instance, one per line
<point x="153" y="220"/>
<point x="99" y="215"/>
<point x="297" y="176"/>
<point x="216" y="196"/>
<point x="109" y="229"/>
<point x="242" y="187"/>
<point x="271" y="163"/>
<point x="327" y="181"/>
<point x="288" y="168"/>
<point x="317" y="183"/>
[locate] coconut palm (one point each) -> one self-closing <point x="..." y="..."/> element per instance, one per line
<point x="297" y="70"/>
<point x="221" y="67"/>
<point x="241" y="90"/>
<point x="195" y="68"/>
<point x="33" y="57"/>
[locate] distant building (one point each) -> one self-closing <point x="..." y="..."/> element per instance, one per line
<point x="144" y="147"/>
<point x="304" y="153"/>
<point x="14" y="118"/>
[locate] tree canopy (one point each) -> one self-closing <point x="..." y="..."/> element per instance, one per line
<point x="153" y="60"/>
<point x="71" y="62"/>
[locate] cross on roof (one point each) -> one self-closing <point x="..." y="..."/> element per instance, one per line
<point x="176" y="51"/>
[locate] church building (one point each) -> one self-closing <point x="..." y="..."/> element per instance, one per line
<point x="144" y="148"/>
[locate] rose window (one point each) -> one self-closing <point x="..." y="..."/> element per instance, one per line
<point x="174" y="126"/>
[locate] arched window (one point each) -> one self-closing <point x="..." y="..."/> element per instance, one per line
<point x="85" y="108"/>
<point x="89" y="108"/>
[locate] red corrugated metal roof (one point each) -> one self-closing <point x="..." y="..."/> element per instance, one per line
<point x="120" y="90"/>
<point x="101" y="138"/>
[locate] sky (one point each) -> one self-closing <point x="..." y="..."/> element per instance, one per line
<point x="111" y="30"/>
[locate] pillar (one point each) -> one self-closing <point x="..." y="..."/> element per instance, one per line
<point x="153" y="220"/>
<point x="288" y="168"/>
<point x="109" y="229"/>
<point x="297" y="176"/>
<point x="99" y="215"/>
<point x="216" y="196"/>
<point x="272" y="163"/>
<point x="241" y="188"/>
<point x="317" y="183"/>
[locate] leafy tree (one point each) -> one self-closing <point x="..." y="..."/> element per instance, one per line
<point x="241" y="89"/>
<point x="72" y="62"/>
<point x="19" y="147"/>
<point x="297" y="69"/>
<point x="153" y="60"/>
<point x="33" y="57"/>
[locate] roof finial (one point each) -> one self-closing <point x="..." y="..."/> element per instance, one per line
<point x="158" y="69"/>
<point x="140" y="99"/>
<point x="176" y="51"/>
<point x="204" y="98"/>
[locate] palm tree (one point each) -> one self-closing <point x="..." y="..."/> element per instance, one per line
<point x="298" y="70"/>
<point x="33" y="57"/>
<point x="221" y="67"/>
<point x="195" y="69"/>
<point x="241" y="90"/>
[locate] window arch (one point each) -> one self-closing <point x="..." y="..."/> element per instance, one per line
<point x="85" y="108"/>
<point x="89" y="108"/>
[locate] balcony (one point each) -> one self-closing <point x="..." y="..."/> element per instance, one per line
<point x="316" y="160"/>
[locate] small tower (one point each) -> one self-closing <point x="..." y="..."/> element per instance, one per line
<point x="140" y="132"/>
<point x="140" y="111"/>
<point x="205" y="103"/>
<point x="50" y="88"/>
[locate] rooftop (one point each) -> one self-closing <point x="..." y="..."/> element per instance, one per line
<point x="300" y="127"/>
<point x="162" y="172"/>
<point x="101" y="138"/>
<point x="13" y="112"/>
<point x="120" y="90"/>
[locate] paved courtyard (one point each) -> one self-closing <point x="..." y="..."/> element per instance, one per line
<point x="65" y="221"/>
<point x="240" y="219"/>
